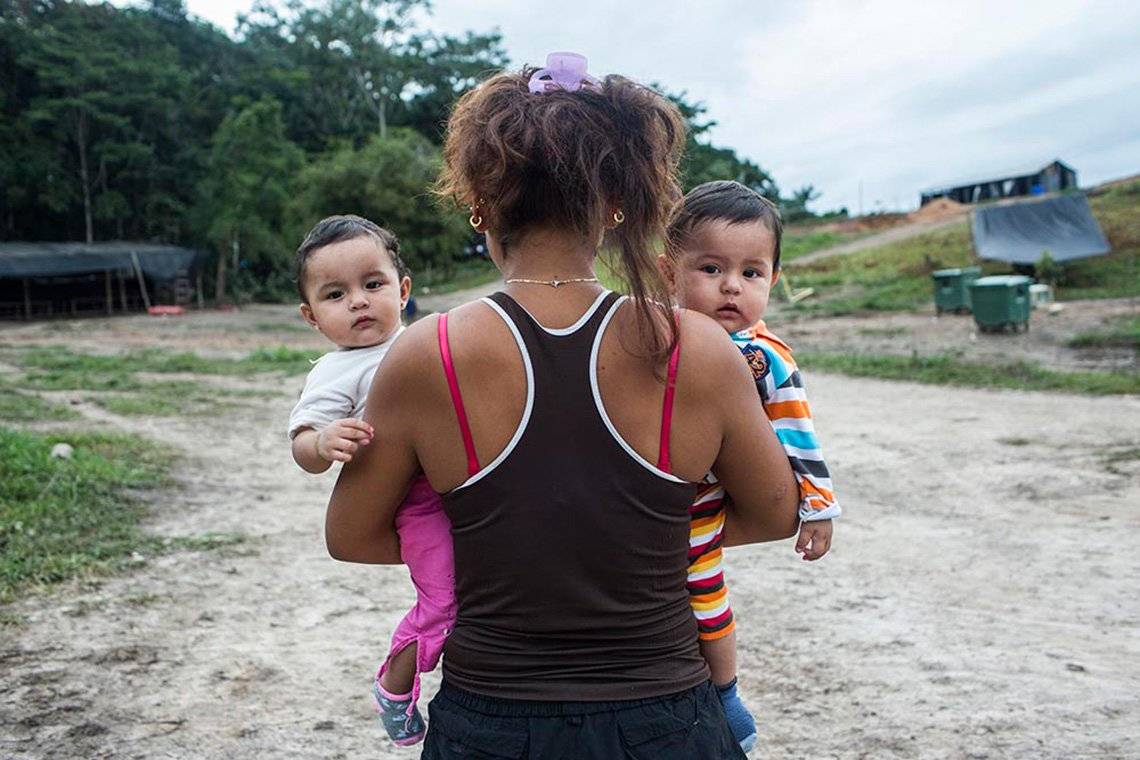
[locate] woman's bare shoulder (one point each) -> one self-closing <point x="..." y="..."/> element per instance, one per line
<point x="705" y="343"/>
<point x="420" y="341"/>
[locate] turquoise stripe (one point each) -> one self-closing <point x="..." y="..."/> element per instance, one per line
<point x="797" y="438"/>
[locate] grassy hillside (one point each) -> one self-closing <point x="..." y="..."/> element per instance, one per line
<point x="897" y="276"/>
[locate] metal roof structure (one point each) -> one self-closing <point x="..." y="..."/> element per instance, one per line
<point x="158" y="262"/>
<point x="1053" y="177"/>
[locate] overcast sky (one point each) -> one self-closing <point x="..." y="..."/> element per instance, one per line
<point x="897" y="96"/>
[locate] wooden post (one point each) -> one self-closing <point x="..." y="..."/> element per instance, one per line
<point x="198" y="286"/>
<point x="141" y="279"/>
<point x="27" y="298"/>
<point x="122" y="290"/>
<point x="109" y="292"/>
<point x="220" y="282"/>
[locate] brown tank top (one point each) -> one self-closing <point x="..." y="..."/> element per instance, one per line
<point x="570" y="548"/>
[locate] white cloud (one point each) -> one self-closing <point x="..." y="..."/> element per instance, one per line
<point x="897" y="94"/>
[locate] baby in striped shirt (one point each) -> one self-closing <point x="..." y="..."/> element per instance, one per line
<point x="722" y="259"/>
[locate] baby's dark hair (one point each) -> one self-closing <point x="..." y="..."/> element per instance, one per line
<point x="567" y="160"/>
<point x="337" y="229"/>
<point x="723" y="201"/>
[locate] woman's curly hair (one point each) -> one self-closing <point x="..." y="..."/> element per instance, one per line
<point x="567" y="160"/>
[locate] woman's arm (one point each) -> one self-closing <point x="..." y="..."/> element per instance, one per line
<point x="359" y="524"/>
<point x="752" y="466"/>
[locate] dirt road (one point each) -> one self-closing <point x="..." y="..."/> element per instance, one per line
<point x="893" y="235"/>
<point x="980" y="601"/>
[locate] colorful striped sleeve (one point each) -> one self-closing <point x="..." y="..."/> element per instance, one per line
<point x="785" y="402"/>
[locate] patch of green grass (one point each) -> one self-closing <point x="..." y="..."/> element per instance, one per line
<point x="883" y="332"/>
<point x="55" y="370"/>
<point x="11" y="619"/>
<point x="892" y="277"/>
<point x="291" y="327"/>
<point x="26" y="407"/>
<point x="1116" y="275"/>
<point x="67" y="380"/>
<point x="1124" y="333"/>
<point x="291" y="361"/>
<point x="124" y="392"/>
<point x="796" y="244"/>
<point x="174" y="398"/>
<point x="62" y="517"/>
<point x="156" y="404"/>
<point x="949" y="370"/>
<point x="135" y="405"/>
<point x="111" y="371"/>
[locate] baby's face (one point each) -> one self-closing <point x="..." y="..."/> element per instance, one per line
<point x="355" y="295"/>
<point x="726" y="272"/>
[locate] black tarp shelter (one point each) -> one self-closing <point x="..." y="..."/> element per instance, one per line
<point x="1019" y="232"/>
<point x="50" y="278"/>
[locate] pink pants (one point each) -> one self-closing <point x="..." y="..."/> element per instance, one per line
<point x="425" y="544"/>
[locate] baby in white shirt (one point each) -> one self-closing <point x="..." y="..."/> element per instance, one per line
<point x="353" y="288"/>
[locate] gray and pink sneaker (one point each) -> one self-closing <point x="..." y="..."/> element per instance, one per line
<point x="400" y="718"/>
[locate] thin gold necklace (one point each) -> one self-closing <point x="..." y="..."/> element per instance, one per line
<point x="552" y="283"/>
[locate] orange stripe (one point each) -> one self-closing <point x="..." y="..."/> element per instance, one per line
<point x="760" y="331"/>
<point x="703" y="522"/>
<point x="797" y="410"/>
<point x="716" y="596"/>
<point x="708" y="557"/>
<point x="705" y="636"/>
<point x="806" y="486"/>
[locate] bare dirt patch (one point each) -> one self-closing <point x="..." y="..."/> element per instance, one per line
<point x="210" y="332"/>
<point x="980" y="600"/>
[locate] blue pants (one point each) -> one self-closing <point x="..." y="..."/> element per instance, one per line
<point x="689" y="725"/>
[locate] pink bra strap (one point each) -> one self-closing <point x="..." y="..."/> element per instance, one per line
<point x="663" y="462"/>
<point x="456" y="398"/>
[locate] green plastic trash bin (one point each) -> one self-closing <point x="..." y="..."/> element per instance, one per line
<point x="1001" y="302"/>
<point x="952" y="288"/>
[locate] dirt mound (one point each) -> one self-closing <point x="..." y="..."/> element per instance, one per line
<point x="938" y="210"/>
<point x="869" y="223"/>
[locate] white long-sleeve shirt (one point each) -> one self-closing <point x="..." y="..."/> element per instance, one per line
<point x="337" y="386"/>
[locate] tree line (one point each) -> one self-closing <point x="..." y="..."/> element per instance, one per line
<point x="145" y="123"/>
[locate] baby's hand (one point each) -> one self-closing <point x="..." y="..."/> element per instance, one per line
<point x="340" y="440"/>
<point x="814" y="539"/>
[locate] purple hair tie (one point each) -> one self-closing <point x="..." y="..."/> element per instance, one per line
<point x="564" y="71"/>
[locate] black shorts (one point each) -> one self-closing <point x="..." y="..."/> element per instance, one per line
<point x="689" y="725"/>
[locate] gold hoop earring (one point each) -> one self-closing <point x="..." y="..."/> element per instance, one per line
<point x="476" y="222"/>
<point x="619" y="216"/>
